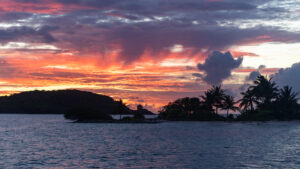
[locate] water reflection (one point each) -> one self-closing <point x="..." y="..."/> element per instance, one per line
<point x="49" y="141"/>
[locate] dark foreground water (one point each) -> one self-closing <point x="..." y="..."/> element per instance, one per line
<point x="48" y="141"/>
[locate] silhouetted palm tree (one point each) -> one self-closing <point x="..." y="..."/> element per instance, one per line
<point x="286" y="95"/>
<point x="228" y="104"/>
<point x="265" y="91"/>
<point x="207" y="101"/>
<point x="287" y="102"/>
<point x="248" y="100"/>
<point x="214" y="97"/>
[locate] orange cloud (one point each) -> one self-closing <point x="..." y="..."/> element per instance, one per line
<point x="237" y="54"/>
<point x="142" y="55"/>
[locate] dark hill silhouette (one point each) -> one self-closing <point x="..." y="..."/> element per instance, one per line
<point x="61" y="102"/>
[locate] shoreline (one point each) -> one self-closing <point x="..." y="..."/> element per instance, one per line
<point x="120" y="121"/>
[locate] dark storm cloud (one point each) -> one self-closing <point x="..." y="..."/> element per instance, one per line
<point x="27" y="34"/>
<point x="289" y="76"/>
<point x="140" y="5"/>
<point x="134" y="27"/>
<point x="135" y="41"/>
<point x="218" y="67"/>
<point x="156" y="37"/>
<point x="99" y="31"/>
<point x="212" y="6"/>
<point x="12" y="16"/>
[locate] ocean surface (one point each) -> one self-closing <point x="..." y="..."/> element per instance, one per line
<point x="49" y="141"/>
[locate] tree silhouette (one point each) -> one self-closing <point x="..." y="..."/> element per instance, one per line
<point x="265" y="91"/>
<point x="122" y="108"/>
<point x="287" y="96"/>
<point x="229" y="104"/>
<point x="287" y="103"/>
<point x="248" y="100"/>
<point x="188" y="109"/>
<point x="214" y="97"/>
<point x="188" y="105"/>
<point x="264" y="99"/>
<point x="208" y="101"/>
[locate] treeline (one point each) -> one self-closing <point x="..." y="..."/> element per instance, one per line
<point x="261" y="101"/>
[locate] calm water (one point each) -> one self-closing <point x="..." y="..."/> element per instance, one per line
<point x="48" y="141"/>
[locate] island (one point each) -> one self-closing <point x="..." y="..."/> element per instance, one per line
<point x="262" y="101"/>
<point x="76" y="105"/>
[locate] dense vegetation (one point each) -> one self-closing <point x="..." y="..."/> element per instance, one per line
<point x="261" y="101"/>
<point x="204" y="108"/>
<point x="265" y="101"/>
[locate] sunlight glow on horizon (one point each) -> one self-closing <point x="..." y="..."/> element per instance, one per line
<point x="272" y="55"/>
<point x="142" y="50"/>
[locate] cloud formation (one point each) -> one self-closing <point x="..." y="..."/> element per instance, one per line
<point x="129" y="30"/>
<point x="125" y="44"/>
<point x="253" y="75"/>
<point x="218" y="67"/>
<point x="27" y="34"/>
<point x="289" y="76"/>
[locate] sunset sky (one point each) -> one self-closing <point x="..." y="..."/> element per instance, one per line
<point x="147" y="52"/>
